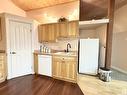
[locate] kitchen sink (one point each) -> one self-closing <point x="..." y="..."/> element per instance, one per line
<point x="66" y="53"/>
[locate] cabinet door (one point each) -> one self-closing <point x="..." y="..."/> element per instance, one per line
<point x="57" y="68"/>
<point x="43" y="33"/>
<point x="56" y="30"/>
<point x="39" y="34"/>
<point x="68" y="70"/>
<point x="48" y="32"/>
<point x="71" y="69"/>
<point x="73" y="29"/>
<point x="64" y="68"/>
<point x="63" y="28"/>
<point x="51" y="31"/>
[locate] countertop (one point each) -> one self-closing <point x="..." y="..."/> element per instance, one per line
<point x="43" y="53"/>
<point x="59" y="53"/>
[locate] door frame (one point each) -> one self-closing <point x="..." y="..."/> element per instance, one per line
<point x="7" y="19"/>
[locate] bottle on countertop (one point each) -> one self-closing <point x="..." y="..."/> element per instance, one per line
<point x="40" y="48"/>
<point x="49" y="50"/>
<point x="45" y="49"/>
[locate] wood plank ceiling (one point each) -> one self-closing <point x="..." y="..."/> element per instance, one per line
<point x="38" y="4"/>
<point x="28" y="5"/>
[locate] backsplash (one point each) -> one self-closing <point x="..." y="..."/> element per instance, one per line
<point x="62" y="45"/>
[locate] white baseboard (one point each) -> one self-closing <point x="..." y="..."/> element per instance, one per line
<point x="116" y="68"/>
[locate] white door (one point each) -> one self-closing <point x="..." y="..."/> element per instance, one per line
<point x="20" y="49"/>
<point x="88" y="57"/>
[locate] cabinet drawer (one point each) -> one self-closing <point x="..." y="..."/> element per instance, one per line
<point x="64" y="58"/>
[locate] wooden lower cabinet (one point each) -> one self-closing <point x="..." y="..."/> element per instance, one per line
<point x="65" y="68"/>
<point x="36" y="63"/>
<point x="73" y="29"/>
<point x="2" y="67"/>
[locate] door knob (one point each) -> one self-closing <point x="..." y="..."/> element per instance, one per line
<point x="12" y="52"/>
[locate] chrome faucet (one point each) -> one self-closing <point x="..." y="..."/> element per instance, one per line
<point x="68" y="46"/>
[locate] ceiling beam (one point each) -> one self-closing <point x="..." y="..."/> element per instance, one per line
<point x="109" y="35"/>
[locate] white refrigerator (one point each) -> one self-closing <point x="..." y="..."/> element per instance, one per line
<point x="88" y="56"/>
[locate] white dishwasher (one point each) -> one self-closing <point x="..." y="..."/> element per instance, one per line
<point x="45" y="65"/>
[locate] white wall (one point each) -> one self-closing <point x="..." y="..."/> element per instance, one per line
<point x="119" y="52"/>
<point x="35" y="42"/>
<point x="87" y="33"/>
<point x="119" y="48"/>
<point x="120" y="20"/>
<point x="8" y="7"/>
<point x="101" y="34"/>
<point x="52" y="14"/>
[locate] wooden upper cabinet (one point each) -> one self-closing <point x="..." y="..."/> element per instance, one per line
<point x="50" y="32"/>
<point x="47" y="33"/>
<point x="73" y="29"/>
<point x="63" y="29"/>
<point x="93" y="9"/>
<point x="69" y="29"/>
<point x="43" y="33"/>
